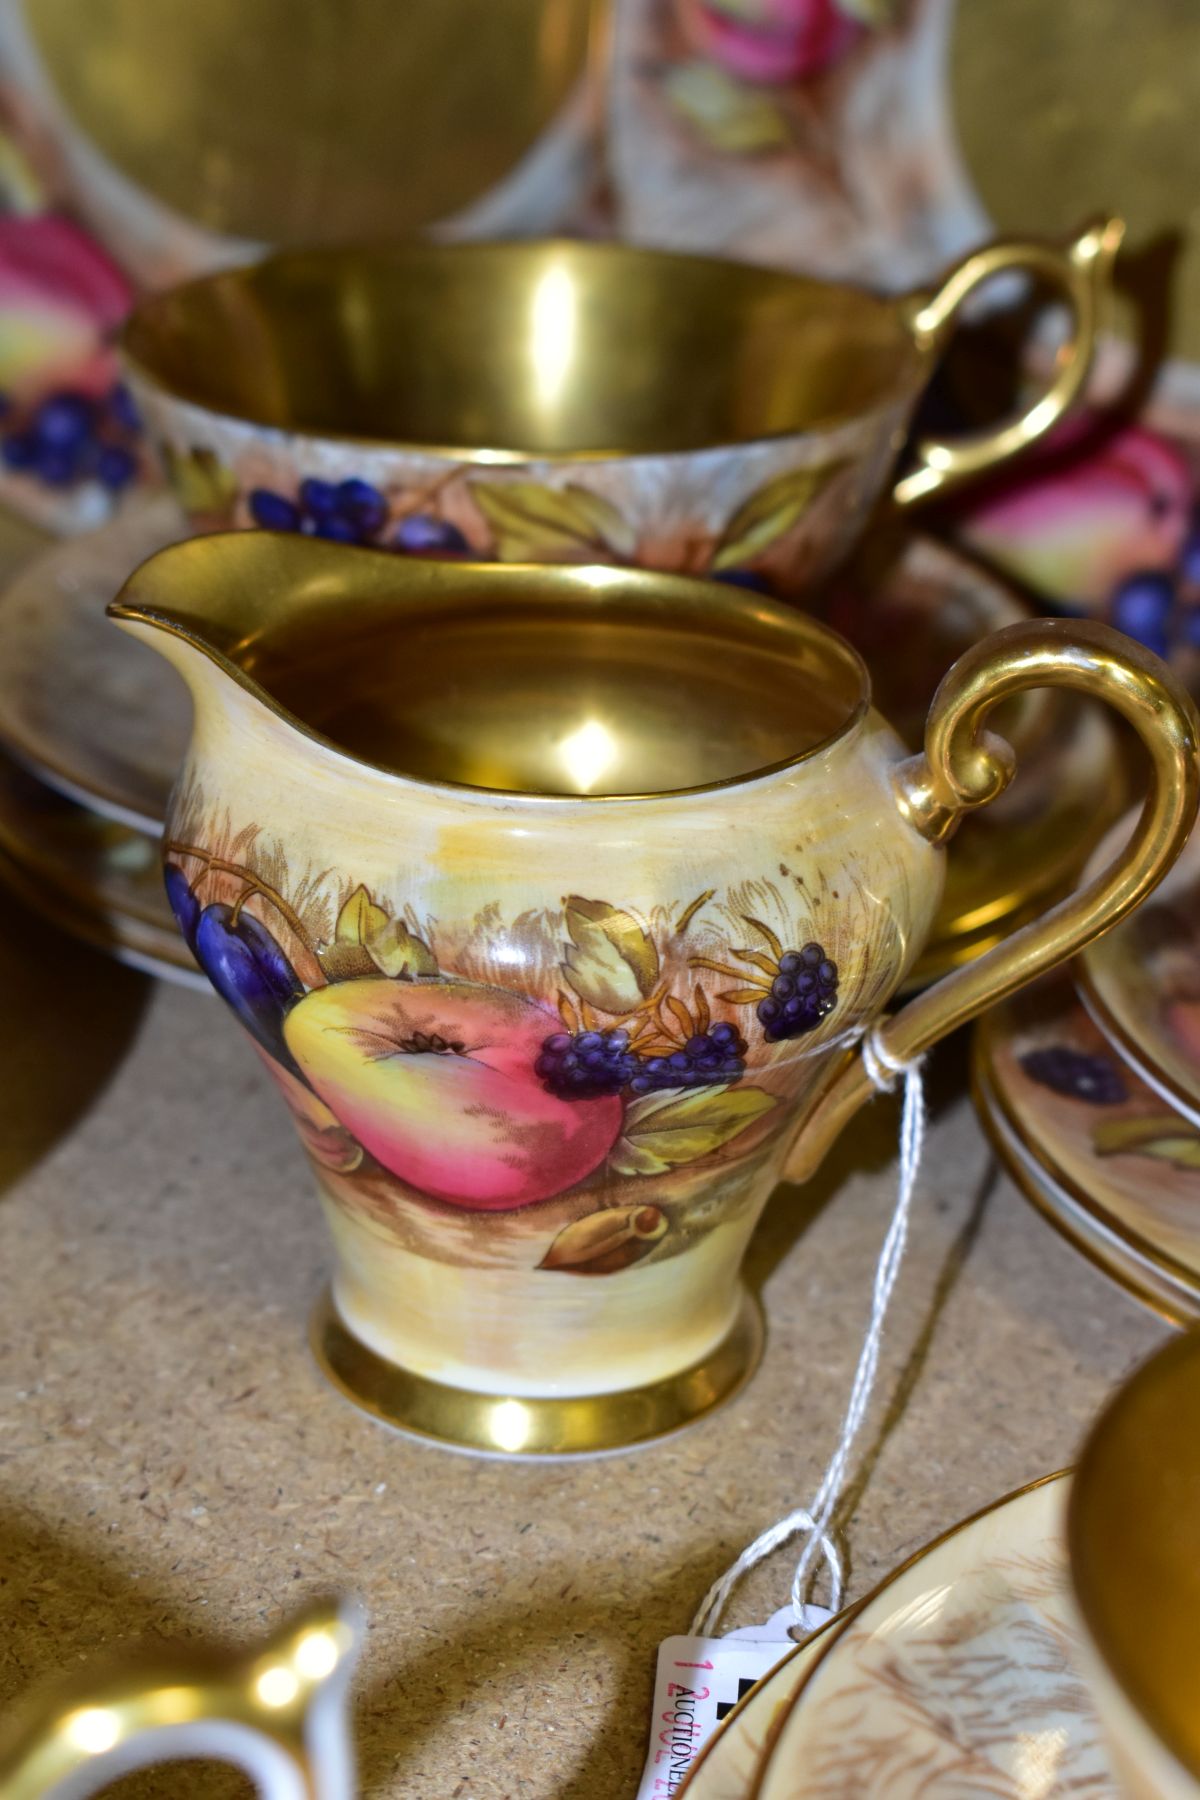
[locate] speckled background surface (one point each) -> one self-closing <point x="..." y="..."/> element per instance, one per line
<point x="171" y="1464"/>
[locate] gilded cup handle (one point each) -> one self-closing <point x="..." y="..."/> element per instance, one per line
<point x="964" y="766"/>
<point x="1082" y="270"/>
<point x="280" y="1714"/>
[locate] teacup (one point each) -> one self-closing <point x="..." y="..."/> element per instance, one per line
<point x="1133" y="1531"/>
<point x="556" y="902"/>
<point x="572" y="402"/>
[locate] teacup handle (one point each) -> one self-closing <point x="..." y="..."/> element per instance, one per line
<point x="964" y="766"/>
<point x="1082" y="269"/>
<point x="281" y="1715"/>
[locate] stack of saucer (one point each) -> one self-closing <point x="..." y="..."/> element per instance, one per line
<point x="1091" y="1094"/>
<point x="92" y="730"/>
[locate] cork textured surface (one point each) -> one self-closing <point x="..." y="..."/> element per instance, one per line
<point x="172" y="1465"/>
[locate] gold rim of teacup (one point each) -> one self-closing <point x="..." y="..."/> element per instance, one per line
<point x="537" y="584"/>
<point x="141" y="344"/>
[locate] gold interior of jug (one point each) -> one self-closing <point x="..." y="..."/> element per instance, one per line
<point x="536" y="681"/>
<point x="548" y="348"/>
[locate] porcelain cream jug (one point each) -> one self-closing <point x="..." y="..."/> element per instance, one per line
<point x="556" y="902"/>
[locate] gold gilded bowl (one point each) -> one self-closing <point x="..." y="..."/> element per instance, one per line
<point x="1133" y="1533"/>
<point x="336" y="120"/>
<point x="572" y="402"/>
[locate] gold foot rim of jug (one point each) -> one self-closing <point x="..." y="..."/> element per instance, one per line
<point x="519" y="1427"/>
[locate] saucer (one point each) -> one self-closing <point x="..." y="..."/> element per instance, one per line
<point x="1141" y="983"/>
<point x="957" y="1677"/>
<point x="727" y="1766"/>
<point x="96" y="879"/>
<point x="83" y="706"/>
<point x="1098" y="1152"/>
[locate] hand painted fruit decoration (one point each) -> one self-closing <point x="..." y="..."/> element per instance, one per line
<point x="249" y="971"/>
<point x="1076" y="1074"/>
<point x="65" y="419"/>
<point x="327" y="1141"/>
<point x="437" y="1080"/>
<point x="606" y="1242"/>
<point x="1083" y="517"/>
<point x="476" y="1096"/>
<point x="770" y="41"/>
<point x="243" y="961"/>
<point x="61" y="300"/>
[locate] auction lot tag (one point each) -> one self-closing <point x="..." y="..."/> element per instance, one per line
<point x="698" y="1684"/>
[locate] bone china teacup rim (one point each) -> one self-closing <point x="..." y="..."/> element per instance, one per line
<point x="144" y="340"/>
<point x="527" y="582"/>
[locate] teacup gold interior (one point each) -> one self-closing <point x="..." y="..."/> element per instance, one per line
<point x="550" y="348"/>
<point x="541" y="681"/>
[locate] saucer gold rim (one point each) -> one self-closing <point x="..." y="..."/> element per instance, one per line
<point x="135" y="928"/>
<point x="1000" y="1122"/>
<point x="759" y="1790"/>
<point x="1073" y="1219"/>
<point x="1102" y="980"/>
<point x="696" y="1779"/>
<point x="581" y="1425"/>
<point x="1132" y="1052"/>
<point x="55" y="573"/>
<point x="138" y="945"/>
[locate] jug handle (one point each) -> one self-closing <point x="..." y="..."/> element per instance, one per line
<point x="964" y="766"/>
<point x="1082" y="270"/>
<point x="280" y="1715"/>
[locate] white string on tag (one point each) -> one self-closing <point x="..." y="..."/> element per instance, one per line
<point x="815" y="1520"/>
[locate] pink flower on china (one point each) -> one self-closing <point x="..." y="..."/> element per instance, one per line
<point x="1086" y="513"/>
<point x="61" y="299"/>
<point x="770" y="41"/>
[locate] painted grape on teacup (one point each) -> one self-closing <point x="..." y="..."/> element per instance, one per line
<point x="627" y="1062"/>
<point x="457" y="514"/>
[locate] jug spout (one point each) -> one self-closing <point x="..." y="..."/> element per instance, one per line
<point x="200" y="604"/>
<point x="265" y="626"/>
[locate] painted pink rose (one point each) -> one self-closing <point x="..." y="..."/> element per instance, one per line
<point x="436" y="1080"/>
<point x="770" y="41"/>
<point x="1076" y="522"/>
<point x="61" y="299"/>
